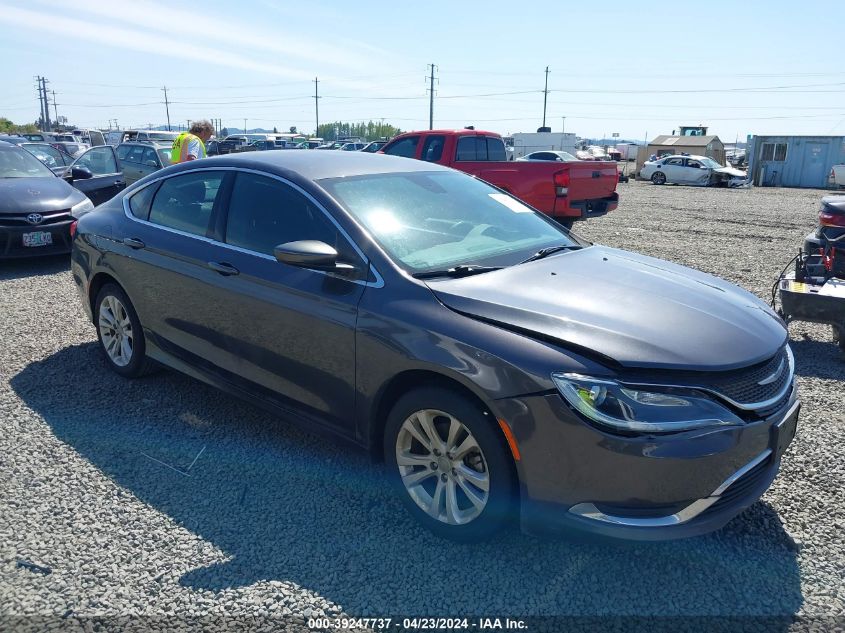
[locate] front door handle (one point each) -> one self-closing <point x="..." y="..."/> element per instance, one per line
<point x="133" y="242"/>
<point x="223" y="268"/>
<point x="119" y="183"/>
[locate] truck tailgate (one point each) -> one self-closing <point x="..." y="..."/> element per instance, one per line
<point x="591" y="180"/>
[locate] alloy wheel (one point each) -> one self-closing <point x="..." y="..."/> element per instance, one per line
<point x="116" y="331"/>
<point x="442" y="467"/>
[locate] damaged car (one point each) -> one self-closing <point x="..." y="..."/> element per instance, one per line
<point x="691" y="170"/>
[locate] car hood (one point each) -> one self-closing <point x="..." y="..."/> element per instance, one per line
<point x="732" y="171"/>
<point x="36" y="195"/>
<point x="636" y="310"/>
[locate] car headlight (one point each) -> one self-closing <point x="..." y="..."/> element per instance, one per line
<point x="621" y="407"/>
<point x="81" y="208"/>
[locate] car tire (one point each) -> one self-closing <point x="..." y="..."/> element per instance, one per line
<point x="658" y="178"/>
<point x="120" y="334"/>
<point x="442" y="489"/>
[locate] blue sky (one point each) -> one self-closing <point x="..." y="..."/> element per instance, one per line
<point x="636" y="68"/>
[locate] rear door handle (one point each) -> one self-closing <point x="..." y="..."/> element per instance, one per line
<point x="223" y="268"/>
<point x="133" y="242"/>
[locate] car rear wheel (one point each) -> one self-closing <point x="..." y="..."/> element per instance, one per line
<point x="119" y="332"/>
<point x="449" y="465"/>
<point x="658" y="178"/>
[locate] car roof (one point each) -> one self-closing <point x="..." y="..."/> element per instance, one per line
<point x="315" y="166"/>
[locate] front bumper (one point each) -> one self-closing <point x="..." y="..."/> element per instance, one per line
<point x="11" y="239"/>
<point x="575" y="476"/>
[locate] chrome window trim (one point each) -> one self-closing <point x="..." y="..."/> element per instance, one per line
<point x="745" y="407"/>
<point x="590" y="511"/>
<point x="379" y="280"/>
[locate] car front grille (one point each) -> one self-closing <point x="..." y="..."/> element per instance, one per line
<point x="743" y="386"/>
<point x="47" y="218"/>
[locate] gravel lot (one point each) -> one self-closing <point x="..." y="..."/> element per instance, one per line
<point x="163" y="497"/>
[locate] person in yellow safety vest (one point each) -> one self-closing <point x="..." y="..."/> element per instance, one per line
<point x="191" y="145"/>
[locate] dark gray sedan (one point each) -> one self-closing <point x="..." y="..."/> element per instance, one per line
<point x="498" y="364"/>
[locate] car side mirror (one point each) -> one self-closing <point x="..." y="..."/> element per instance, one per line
<point x="79" y="173"/>
<point x="151" y="163"/>
<point x="313" y="254"/>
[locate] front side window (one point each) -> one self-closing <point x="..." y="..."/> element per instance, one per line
<point x="50" y="156"/>
<point x="406" y="147"/>
<point x="149" y="157"/>
<point x="434" y="220"/>
<point x="100" y="160"/>
<point x="264" y="213"/>
<point x="433" y="148"/>
<point x="185" y="202"/>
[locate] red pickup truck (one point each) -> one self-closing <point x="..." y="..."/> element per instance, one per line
<point x="567" y="191"/>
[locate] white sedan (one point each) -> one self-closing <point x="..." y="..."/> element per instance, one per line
<point x="690" y="170"/>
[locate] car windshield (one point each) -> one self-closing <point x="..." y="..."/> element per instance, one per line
<point x="19" y="163"/>
<point x="160" y="136"/>
<point x="435" y="220"/>
<point x="709" y="162"/>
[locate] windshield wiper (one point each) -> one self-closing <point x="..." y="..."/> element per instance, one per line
<point x="549" y="250"/>
<point x="462" y="270"/>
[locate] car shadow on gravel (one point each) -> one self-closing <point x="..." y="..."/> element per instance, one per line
<point x="34" y="266"/>
<point x="286" y="505"/>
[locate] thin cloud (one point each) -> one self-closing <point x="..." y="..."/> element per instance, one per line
<point x="117" y="37"/>
<point x="232" y="36"/>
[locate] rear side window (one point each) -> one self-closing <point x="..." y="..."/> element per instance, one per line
<point x="471" y="148"/>
<point x="405" y="147"/>
<point x="139" y="204"/>
<point x="185" y="202"/>
<point x="433" y="148"/>
<point x="264" y="213"/>
<point x="496" y="149"/>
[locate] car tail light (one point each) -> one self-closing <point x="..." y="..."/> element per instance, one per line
<point x="73" y="228"/>
<point x="831" y="219"/>
<point x="561" y="179"/>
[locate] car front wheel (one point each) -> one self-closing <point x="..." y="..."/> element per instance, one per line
<point x="119" y="332"/>
<point x="449" y="465"/>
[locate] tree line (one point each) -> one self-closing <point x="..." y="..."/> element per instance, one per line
<point x="370" y="131"/>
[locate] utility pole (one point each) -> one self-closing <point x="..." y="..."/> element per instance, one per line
<point x="545" y="96"/>
<point x="44" y="83"/>
<point x="431" y="97"/>
<point x="55" y="109"/>
<point x="563" y="125"/>
<point x="244" y="126"/>
<point x="189" y="124"/>
<point x="40" y="99"/>
<point x="167" y="107"/>
<point x="316" y="106"/>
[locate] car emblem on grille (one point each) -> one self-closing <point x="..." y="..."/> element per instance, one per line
<point x="770" y="379"/>
<point x="34" y="218"/>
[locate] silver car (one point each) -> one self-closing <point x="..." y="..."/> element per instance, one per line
<point x="142" y="159"/>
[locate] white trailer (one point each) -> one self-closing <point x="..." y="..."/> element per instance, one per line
<point x="526" y="142"/>
<point x="628" y="150"/>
